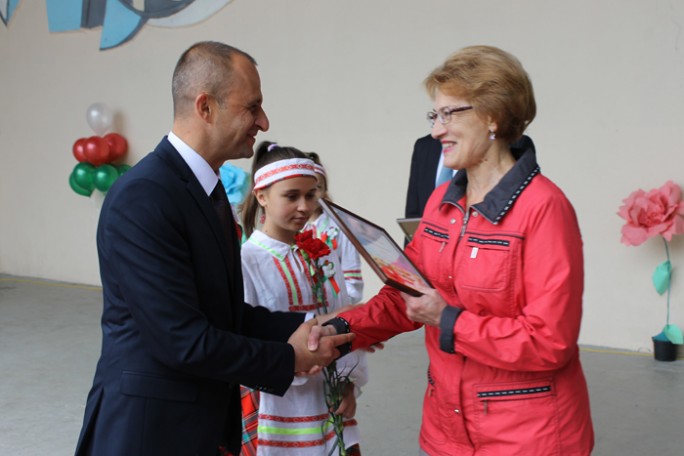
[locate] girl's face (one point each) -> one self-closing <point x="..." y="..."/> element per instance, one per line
<point x="320" y="186"/>
<point x="288" y="204"/>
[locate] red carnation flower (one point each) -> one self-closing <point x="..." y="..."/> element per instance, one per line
<point x="312" y="246"/>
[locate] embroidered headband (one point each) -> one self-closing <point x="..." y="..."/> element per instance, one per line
<point x="319" y="169"/>
<point x="283" y="169"/>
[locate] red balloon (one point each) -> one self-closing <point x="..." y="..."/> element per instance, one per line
<point x="79" y="149"/>
<point x="96" y="150"/>
<point x="118" y="146"/>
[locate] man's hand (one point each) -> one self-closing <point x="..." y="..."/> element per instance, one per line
<point x="316" y="346"/>
<point x="318" y="331"/>
<point x="426" y="309"/>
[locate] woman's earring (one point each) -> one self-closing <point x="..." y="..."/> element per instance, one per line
<point x="492" y="135"/>
<point x="262" y="218"/>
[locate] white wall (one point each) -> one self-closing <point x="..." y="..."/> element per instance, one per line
<point x="344" y="78"/>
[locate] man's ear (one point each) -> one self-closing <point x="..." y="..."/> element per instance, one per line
<point x="204" y="107"/>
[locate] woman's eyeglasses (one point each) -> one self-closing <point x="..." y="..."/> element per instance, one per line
<point x="444" y="114"/>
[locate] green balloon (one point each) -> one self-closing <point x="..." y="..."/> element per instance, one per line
<point x="122" y="168"/>
<point x="77" y="188"/>
<point x="105" y="175"/>
<point x="84" y="175"/>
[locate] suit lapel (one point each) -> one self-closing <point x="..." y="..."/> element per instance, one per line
<point x="230" y="253"/>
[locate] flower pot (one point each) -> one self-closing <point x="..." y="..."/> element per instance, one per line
<point x="664" y="350"/>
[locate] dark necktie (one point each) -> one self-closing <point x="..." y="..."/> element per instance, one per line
<point x="225" y="216"/>
<point x="224" y="213"/>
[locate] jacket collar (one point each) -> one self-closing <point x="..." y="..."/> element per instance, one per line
<point x="501" y="198"/>
<point x="206" y="176"/>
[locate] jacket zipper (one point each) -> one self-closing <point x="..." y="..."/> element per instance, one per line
<point x="514" y="392"/>
<point x="466" y="218"/>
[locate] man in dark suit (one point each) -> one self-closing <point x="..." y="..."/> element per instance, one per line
<point x="178" y="339"/>
<point x="424" y="162"/>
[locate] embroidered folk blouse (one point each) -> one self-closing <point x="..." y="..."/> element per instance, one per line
<point x="276" y="277"/>
<point x="324" y="228"/>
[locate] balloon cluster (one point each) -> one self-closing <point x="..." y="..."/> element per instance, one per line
<point x="96" y="155"/>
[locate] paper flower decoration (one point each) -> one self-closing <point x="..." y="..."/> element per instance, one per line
<point x="658" y="212"/>
<point x="236" y="182"/>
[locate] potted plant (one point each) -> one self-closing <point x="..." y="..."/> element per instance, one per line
<point x="658" y="212"/>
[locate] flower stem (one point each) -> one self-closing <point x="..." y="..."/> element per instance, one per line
<point x="669" y="279"/>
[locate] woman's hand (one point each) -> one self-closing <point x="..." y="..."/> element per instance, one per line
<point x="322" y="318"/>
<point x="426" y="309"/>
<point x="375" y="347"/>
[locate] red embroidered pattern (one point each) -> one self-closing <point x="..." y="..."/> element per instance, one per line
<point x="304" y="308"/>
<point x="290" y="269"/>
<point x="283" y="276"/>
<point x="308" y="443"/>
<point x="352" y="272"/>
<point x="283" y="169"/>
<point x="293" y="419"/>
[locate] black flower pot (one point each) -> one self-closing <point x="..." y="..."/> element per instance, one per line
<point x="664" y="350"/>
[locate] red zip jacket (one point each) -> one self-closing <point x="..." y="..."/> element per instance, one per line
<point x="504" y="376"/>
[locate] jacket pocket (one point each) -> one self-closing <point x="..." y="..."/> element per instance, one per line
<point x="517" y="417"/>
<point x="433" y="426"/>
<point x="433" y="253"/>
<point x="487" y="263"/>
<point x="149" y="386"/>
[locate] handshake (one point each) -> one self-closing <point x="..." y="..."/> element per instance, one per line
<point x="315" y="346"/>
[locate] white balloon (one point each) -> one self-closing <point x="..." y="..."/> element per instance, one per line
<point x="100" y="118"/>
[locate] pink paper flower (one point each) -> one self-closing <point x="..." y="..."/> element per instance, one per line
<point x="657" y="212"/>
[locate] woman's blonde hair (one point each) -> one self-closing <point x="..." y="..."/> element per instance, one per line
<point x="494" y="82"/>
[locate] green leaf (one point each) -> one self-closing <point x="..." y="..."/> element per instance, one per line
<point x="674" y="334"/>
<point x="661" y="277"/>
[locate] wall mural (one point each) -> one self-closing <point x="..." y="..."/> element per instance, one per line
<point x="120" y="19"/>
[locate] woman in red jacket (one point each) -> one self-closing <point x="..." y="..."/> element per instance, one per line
<point x="501" y="245"/>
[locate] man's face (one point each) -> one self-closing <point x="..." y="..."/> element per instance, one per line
<point x="240" y="115"/>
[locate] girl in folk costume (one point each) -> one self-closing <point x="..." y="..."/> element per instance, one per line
<point x="325" y="229"/>
<point x="277" y="276"/>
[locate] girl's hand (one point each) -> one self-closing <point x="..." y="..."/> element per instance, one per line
<point x="347" y="407"/>
<point x="426" y="309"/>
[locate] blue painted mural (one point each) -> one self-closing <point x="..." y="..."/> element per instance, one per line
<point x="120" y="19"/>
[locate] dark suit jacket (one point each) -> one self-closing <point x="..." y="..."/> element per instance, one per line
<point x="424" y="163"/>
<point x="175" y="326"/>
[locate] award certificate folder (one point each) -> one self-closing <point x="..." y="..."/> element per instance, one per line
<point x="379" y="250"/>
<point x="408" y="226"/>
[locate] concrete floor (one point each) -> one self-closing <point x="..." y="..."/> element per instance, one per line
<point x="50" y="339"/>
